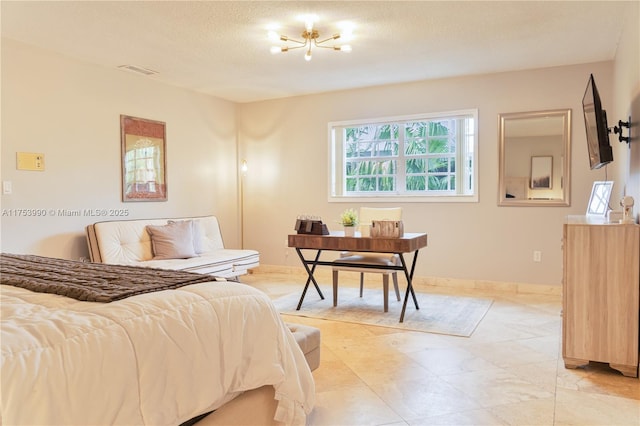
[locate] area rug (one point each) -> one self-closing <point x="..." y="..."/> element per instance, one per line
<point x="442" y="314"/>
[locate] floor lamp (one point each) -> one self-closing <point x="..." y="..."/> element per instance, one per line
<point x="243" y="174"/>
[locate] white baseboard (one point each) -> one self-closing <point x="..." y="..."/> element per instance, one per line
<point x="424" y="282"/>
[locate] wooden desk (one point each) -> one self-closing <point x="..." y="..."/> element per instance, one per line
<point x="336" y="241"/>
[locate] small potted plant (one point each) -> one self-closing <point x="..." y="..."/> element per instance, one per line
<point x="349" y="219"/>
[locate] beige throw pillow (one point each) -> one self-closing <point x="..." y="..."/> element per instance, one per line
<point x="172" y="241"/>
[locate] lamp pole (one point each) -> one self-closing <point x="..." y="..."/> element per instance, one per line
<point x="243" y="174"/>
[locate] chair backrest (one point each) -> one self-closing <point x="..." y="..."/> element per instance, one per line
<point x="368" y="214"/>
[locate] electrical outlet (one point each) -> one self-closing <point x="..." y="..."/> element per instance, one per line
<point x="537" y="256"/>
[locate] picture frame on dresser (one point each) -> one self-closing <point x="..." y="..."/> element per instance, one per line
<point x="599" y="200"/>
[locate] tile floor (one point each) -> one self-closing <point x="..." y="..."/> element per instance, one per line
<point x="509" y="372"/>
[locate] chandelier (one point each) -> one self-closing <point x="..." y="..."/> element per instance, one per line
<point x="310" y="38"/>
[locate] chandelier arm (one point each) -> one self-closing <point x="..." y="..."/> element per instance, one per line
<point x="333" y="37"/>
<point x="329" y="47"/>
<point x="303" y="43"/>
<point x="296" y="47"/>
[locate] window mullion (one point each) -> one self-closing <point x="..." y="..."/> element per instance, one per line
<point x="401" y="164"/>
<point x="459" y="157"/>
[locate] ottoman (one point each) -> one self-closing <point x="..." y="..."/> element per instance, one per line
<point x="308" y="339"/>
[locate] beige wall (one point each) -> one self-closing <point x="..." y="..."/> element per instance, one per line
<point x="70" y="112"/>
<point x="285" y="143"/>
<point x="627" y="93"/>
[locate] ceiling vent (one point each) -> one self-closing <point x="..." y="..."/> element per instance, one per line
<point x="137" y="69"/>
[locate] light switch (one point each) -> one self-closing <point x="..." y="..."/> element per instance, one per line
<point x="30" y="161"/>
<point x="6" y="187"/>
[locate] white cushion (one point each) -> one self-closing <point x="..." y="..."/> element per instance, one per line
<point x="370" y="259"/>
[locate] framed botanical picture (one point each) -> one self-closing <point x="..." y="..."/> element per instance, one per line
<point x="144" y="160"/>
<point x="541" y="172"/>
<point x="599" y="200"/>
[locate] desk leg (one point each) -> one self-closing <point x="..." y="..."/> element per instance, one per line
<point x="409" y="276"/>
<point x="310" y="277"/>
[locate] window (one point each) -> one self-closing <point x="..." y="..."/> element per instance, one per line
<point x="426" y="157"/>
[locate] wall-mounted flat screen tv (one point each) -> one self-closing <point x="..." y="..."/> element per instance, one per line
<point x="595" y="121"/>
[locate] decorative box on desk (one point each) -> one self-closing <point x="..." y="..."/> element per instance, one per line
<point x="387" y="229"/>
<point x="314" y="227"/>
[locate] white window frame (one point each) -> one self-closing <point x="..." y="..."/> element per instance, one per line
<point x="337" y="168"/>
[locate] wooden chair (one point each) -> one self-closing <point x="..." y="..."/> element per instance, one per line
<point x="366" y="216"/>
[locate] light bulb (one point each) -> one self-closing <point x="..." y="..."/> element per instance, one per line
<point x="273" y="36"/>
<point x="307" y="56"/>
<point x="346" y="34"/>
<point x="275" y="50"/>
<point x="309" y="20"/>
<point x="345" y="48"/>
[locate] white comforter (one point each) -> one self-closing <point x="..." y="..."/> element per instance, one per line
<point x="156" y="359"/>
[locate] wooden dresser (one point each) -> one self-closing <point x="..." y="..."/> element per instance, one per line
<point x="601" y="294"/>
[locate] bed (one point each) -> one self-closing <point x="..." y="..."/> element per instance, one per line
<point x="157" y="358"/>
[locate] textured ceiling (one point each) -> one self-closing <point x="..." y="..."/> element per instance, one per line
<point x="221" y="48"/>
